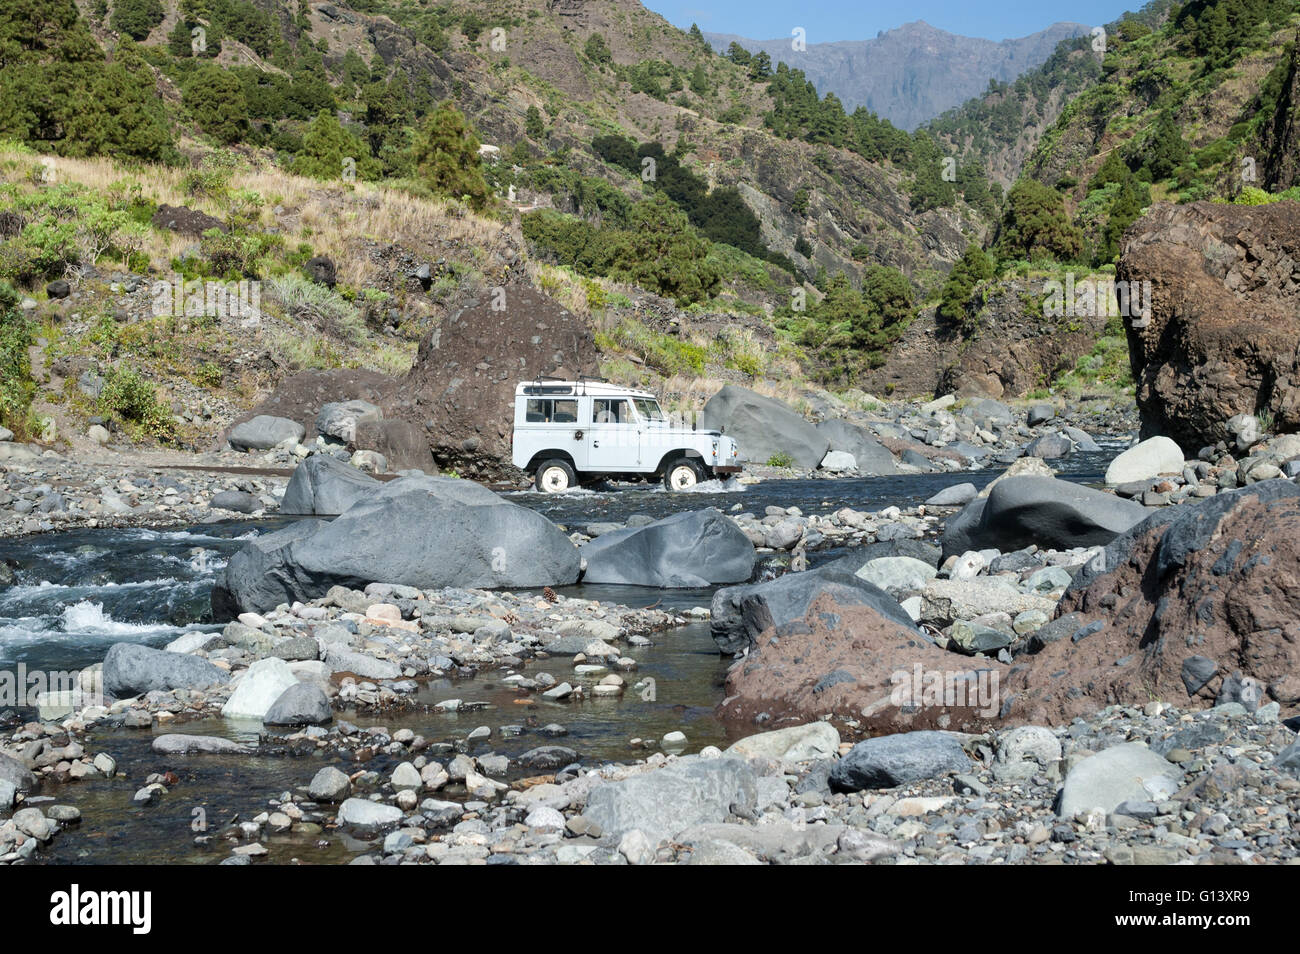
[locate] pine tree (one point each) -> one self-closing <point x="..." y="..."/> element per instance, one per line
<point x="446" y="155"/>
<point x="1036" y="225"/>
<point x="215" y="100"/>
<point x="659" y="251"/>
<point x="326" y="147"/>
<point x="972" y="268"/>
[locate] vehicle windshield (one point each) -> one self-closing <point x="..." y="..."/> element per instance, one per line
<point x="648" y="409"/>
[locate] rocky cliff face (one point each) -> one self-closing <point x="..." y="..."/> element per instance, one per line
<point x="1222" y="336"/>
<point x="1012" y="350"/>
<point x="912" y="73"/>
<point x="1282" y="135"/>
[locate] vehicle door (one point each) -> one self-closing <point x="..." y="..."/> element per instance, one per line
<point x="614" y="438"/>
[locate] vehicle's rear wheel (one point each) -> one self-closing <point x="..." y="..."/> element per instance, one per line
<point x="555" y="477"/>
<point x="683" y="474"/>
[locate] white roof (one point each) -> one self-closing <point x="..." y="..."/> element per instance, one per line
<point x="592" y="388"/>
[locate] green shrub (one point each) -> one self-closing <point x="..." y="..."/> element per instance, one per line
<point x="780" y="459"/>
<point x="131" y="400"/>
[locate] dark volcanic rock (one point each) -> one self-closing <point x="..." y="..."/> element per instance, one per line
<point x="326" y="486"/>
<point x="686" y="550"/>
<point x="1191" y="599"/>
<point x="898" y="760"/>
<point x="179" y="219"/>
<point x="764" y="427"/>
<point x="429" y="532"/>
<point x="321" y="270"/>
<point x="1020" y="511"/>
<point x="741" y="613"/>
<point x="302" y="704"/>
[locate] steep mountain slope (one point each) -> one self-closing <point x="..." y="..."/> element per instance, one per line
<point x="1195" y="107"/>
<point x="1000" y="128"/>
<point x="913" y="73"/>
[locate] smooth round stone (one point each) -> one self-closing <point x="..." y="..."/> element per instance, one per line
<point x="588" y="669"/>
<point x="604" y="690"/>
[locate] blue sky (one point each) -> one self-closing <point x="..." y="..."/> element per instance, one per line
<point x="828" y="20"/>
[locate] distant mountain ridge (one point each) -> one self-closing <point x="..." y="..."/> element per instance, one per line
<point x="914" y="72"/>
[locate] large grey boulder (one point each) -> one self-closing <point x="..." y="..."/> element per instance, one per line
<point x="264" y="431"/>
<point x="132" y="670"/>
<point x="1121" y="773"/>
<point x="687" y="550"/>
<point x="1044" y="511"/>
<point x="427" y="532"/>
<point x="958" y="495"/>
<point x="341" y="419"/>
<point x="663" y="802"/>
<point x="893" y="760"/>
<point x="329" y="785"/>
<point x="236" y="500"/>
<point x="327" y="486"/>
<point x="987" y="412"/>
<point x="741" y="613"/>
<point x="764" y="427"/>
<point x="303" y="703"/>
<point x="872" y="457"/>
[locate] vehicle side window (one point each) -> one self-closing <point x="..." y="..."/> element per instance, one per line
<point x="610" y="411"/>
<point x="566" y="412"/>
<point x="538" y="411"/>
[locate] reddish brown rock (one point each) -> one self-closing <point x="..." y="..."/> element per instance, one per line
<point x="464" y="376"/>
<point x="1219" y="579"/>
<point x="870" y="675"/>
<point x="1225" y="317"/>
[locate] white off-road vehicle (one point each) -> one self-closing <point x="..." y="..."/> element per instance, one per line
<point x="569" y="433"/>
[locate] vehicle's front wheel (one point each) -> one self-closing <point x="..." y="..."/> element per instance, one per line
<point x="555" y="477"/>
<point x="683" y="474"/>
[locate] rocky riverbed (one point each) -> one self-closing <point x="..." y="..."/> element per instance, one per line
<point x="382" y="709"/>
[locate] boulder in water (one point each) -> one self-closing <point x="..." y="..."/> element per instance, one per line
<point x="132" y="670"/>
<point x="324" y="485"/>
<point x="427" y="532"/>
<point x="687" y="550"/>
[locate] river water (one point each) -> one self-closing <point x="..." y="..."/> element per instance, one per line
<point x="76" y="593"/>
